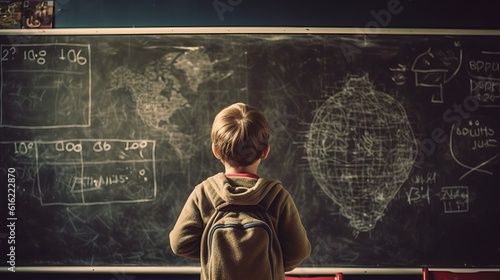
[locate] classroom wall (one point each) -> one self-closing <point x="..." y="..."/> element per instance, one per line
<point x="461" y="14"/>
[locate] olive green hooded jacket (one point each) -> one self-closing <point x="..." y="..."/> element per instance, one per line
<point x="188" y="238"/>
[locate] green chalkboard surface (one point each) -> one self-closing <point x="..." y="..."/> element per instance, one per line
<point x="389" y="143"/>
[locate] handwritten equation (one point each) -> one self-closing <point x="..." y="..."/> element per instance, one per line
<point x="454" y="199"/>
<point x="49" y="80"/>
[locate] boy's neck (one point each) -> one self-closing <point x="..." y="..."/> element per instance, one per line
<point x="250" y="169"/>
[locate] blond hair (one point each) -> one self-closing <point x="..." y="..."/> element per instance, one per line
<point x="240" y="134"/>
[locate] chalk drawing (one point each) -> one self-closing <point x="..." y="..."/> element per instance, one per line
<point x="436" y="67"/>
<point x="360" y="148"/>
<point x="158" y="90"/>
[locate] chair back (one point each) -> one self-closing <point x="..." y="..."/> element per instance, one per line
<point x="451" y="275"/>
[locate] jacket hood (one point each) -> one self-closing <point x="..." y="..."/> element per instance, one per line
<point x="220" y="191"/>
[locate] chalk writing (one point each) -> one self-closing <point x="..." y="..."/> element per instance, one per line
<point x="85" y="172"/>
<point x="49" y="80"/>
<point x="484" y="72"/>
<point x="455" y="199"/>
<point x="415" y="195"/>
<point x="474" y="144"/>
<point x="420" y="185"/>
<point x="112" y="132"/>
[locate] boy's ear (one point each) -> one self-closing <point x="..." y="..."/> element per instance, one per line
<point x="214" y="151"/>
<point x="266" y="152"/>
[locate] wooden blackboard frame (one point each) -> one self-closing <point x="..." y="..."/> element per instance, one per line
<point x="245" y="30"/>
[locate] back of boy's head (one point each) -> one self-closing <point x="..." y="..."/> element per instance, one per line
<point x="240" y="134"/>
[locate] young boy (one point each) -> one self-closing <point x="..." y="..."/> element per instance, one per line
<point x="240" y="140"/>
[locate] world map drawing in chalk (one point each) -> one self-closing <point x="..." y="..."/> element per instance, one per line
<point x="360" y="148"/>
<point x="157" y="90"/>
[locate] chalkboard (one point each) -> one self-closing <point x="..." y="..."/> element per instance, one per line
<point x="388" y="143"/>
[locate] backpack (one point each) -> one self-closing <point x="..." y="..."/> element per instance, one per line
<point x="240" y="243"/>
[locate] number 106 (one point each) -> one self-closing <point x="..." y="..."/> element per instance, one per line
<point x="73" y="56"/>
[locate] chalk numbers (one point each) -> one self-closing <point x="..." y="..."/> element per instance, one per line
<point x="8" y="53"/>
<point x="101" y="146"/>
<point x="98" y="146"/>
<point x="40" y="55"/>
<point x="76" y="146"/>
<point x="23" y="148"/>
<point x="136" y="145"/>
<point x="73" y="56"/>
<point x="104" y="146"/>
<point x="29" y="55"/>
